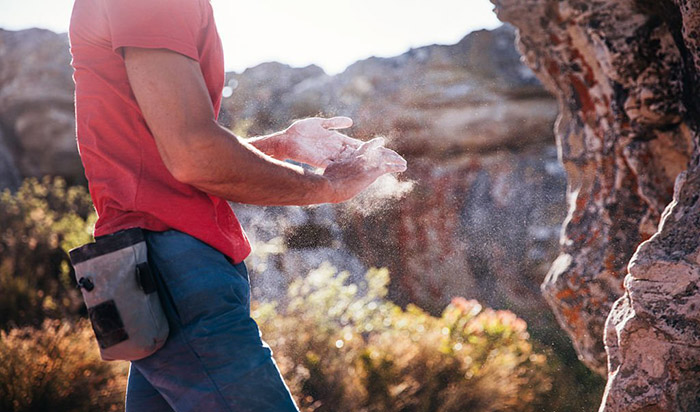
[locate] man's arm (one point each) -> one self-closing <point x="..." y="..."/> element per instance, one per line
<point x="174" y="100"/>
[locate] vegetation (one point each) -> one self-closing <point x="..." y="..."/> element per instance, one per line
<point x="344" y="347"/>
<point x="48" y="364"/>
<point x="57" y="367"/>
<point x="38" y="224"/>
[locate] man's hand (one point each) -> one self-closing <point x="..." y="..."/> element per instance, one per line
<point x="359" y="169"/>
<point x="316" y="142"/>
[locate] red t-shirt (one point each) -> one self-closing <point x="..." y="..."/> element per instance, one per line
<point x="128" y="181"/>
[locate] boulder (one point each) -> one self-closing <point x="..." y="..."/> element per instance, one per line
<point x="626" y="75"/>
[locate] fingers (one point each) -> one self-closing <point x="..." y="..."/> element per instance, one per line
<point x="391" y="156"/>
<point x="382" y="159"/>
<point x="371" y="145"/>
<point x="392" y="162"/>
<point x="339" y="122"/>
<point x="372" y="155"/>
<point x="393" y="168"/>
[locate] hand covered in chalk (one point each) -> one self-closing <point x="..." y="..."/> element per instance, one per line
<point x="354" y="171"/>
<point x="315" y="141"/>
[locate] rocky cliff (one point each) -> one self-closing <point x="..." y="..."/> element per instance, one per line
<point x="626" y="75"/>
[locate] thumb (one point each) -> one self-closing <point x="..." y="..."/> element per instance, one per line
<point x="339" y="122"/>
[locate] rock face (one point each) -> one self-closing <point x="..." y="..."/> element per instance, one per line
<point x="626" y="77"/>
<point x="483" y="218"/>
<point x="37" y="126"/>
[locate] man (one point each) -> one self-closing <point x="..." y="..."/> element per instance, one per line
<point x="149" y="76"/>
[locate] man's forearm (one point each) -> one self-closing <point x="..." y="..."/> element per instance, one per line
<point x="224" y="165"/>
<point x="272" y="145"/>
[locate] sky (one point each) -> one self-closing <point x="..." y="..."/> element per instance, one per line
<point x="330" y="33"/>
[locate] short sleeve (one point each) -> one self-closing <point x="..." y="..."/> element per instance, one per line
<point x="157" y="24"/>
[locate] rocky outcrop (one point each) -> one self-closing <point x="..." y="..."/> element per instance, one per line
<point x="653" y="332"/>
<point x="626" y="77"/>
<point x="37" y="126"/>
<point x="436" y="101"/>
<point x="483" y="217"/>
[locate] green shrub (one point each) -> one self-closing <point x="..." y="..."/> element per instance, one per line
<point x="344" y="347"/>
<point x="58" y="368"/>
<point x="38" y="224"/>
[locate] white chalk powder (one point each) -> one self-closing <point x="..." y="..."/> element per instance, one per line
<point x="379" y="195"/>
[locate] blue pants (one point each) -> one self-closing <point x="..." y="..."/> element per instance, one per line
<point x="214" y="359"/>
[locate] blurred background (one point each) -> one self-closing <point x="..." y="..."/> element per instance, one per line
<point x="455" y="321"/>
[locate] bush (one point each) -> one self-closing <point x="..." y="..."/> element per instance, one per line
<point x="344" y="347"/>
<point x="58" y="368"/>
<point x="38" y="224"/>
